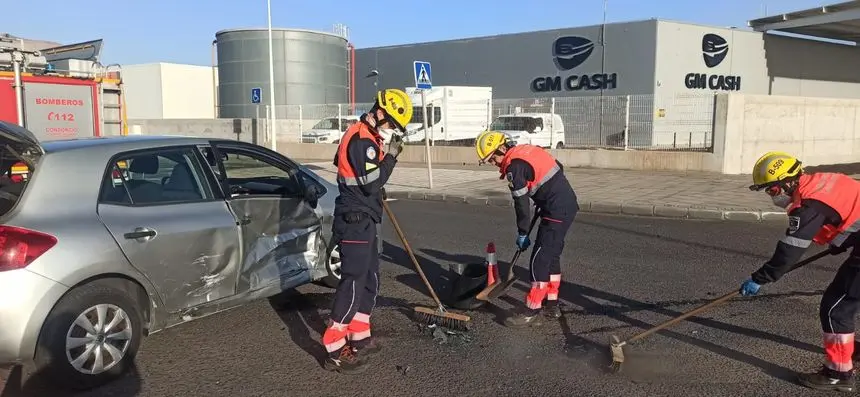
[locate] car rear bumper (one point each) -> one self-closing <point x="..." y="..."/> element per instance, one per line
<point x="26" y="298"/>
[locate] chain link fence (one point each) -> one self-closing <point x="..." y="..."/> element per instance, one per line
<point x="674" y="122"/>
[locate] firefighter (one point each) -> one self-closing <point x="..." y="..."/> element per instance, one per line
<point x="363" y="169"/>
<point x="533" y="173"/>
<point x="823" y="208"/>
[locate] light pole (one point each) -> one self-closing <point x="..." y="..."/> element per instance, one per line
<point x="272" y="124"/>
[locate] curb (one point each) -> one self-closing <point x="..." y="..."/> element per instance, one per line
<point x="608" y="207"/>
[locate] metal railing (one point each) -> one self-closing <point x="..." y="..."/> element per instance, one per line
<point x="674" y="122"/>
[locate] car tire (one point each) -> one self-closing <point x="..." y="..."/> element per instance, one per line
<point x="332" y="268"/>
<point x="107" y="298"/>
<point x="559" y="145"/>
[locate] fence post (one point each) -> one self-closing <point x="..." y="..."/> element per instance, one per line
<point x="489" y="113"/>
<point x="301" y="125"/>
<point x="552" y="122"/>
<point x="339" y="118"/>
<point x="627" y="122"/>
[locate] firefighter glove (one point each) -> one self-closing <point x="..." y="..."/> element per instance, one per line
<point x="749" y="288"/>
<point x="395" y="146"/>
<point x="523" y="241"/>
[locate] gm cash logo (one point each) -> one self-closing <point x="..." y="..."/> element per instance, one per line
<point x="714" y="49"/>
<point x="714" y="52"/>
<point x="569" y="52"/>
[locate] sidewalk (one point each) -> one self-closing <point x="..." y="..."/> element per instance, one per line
<point x="652" y="193"/>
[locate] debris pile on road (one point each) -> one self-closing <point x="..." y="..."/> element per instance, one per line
<point x="443" y="335"/>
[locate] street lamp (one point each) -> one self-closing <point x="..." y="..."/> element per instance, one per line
<point x="271" y="78"/>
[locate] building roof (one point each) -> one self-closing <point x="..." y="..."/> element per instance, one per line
<point x="839" y="21"/>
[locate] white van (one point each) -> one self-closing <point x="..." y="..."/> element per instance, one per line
<point x="455" y="114"/>
<point x="328" y="130"/>
<point x="539" y="129"/>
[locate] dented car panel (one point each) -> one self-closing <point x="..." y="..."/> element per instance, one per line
<point x="280" y="240"/>
<point x="192" y="259"/>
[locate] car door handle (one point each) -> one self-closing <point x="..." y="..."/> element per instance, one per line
<point x="244" y="221"/>
<point x="140" y="233"/>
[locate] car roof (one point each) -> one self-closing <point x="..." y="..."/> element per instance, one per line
<point x="121" y="142"/>
<point x="525" y="115"/>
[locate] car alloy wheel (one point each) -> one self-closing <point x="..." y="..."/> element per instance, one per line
<point x="98" y="339"/>
<point x="334" y="263"/>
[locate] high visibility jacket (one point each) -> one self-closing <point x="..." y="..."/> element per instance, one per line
<point x="545" y="166"/>
<point x="362" y="170"/>
<point x="838" y="191"/>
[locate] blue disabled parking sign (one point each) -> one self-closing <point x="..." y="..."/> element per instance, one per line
<point x="256" y="95"/>
<point x="423" y="77"/>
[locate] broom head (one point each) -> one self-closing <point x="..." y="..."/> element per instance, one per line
<point x="445" y="319"/>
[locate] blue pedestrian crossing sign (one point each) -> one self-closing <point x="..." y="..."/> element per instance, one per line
<point x="422" y="75"/>
<point x="256" y="95"/>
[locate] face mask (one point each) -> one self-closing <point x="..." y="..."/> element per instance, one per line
<point x="386" y="133"/>
<point x="781" y="200"/>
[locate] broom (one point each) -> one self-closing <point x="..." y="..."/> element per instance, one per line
<point x="439" y="316"/>
<point x="616" y="345"/>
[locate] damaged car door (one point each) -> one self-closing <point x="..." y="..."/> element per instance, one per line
<point x="160" y="207"/>
<point x="279" y="228"/>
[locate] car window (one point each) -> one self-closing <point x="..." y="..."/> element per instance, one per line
<point x="168" y="176"/>
<point x="250" y="173"/>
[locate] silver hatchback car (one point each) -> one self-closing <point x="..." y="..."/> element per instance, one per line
<point x="106" y="240"/>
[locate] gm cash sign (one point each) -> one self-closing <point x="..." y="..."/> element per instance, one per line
<point x="714" y="51"/>
<point x="569" y="52"/>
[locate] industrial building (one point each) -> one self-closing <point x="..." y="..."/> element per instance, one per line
<point x="170" y="91"/>
<point x="652" y="57"/>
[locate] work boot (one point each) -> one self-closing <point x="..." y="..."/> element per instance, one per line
<point x="345" y="361"/>
<point x="828" y="379"/>
<point x="524" y="318"/>
<point x="366" y="348"/>
<point x="551" y="309"/>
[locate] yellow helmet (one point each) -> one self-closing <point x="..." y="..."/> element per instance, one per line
<point x="773" y="167"/>
<point x="396" y="105"/>
<point x="488" y="142"/>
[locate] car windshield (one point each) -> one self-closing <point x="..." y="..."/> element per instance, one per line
<point x="516" y="123"/>
<point x="327" y="124"/>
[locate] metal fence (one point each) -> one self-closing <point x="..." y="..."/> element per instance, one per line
<point x="674" y="122"/>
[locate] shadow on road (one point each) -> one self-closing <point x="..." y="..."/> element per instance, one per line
<point x="36" y="385"/>
<point x="301" y="314"/>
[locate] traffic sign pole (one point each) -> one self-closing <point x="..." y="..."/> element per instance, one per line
<point x="426" y="140"/>
<point x="424" y="82"/>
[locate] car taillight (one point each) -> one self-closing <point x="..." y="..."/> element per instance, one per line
<point x="19" y="247"/>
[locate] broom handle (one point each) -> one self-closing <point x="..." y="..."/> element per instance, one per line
<point x="721" y="299"/>
<point x="409" y="251"/>
<point x="517" y="254"/>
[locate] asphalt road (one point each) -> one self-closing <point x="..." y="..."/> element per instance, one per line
<point x="621" y="275"/>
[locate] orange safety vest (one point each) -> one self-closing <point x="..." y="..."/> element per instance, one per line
<point x="543" y="163"/>
<point x="345" y="174"/>
<point x="840" y="192"/>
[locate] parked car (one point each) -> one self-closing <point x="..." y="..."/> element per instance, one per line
<point x="110" y="239"/>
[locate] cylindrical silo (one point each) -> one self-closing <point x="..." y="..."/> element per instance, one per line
<point x="311" y="68"/>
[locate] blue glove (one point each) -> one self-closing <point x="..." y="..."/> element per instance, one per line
<point x="523" y="241"/>
<point x="749" y="288"/>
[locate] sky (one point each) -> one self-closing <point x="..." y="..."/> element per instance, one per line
<point x="181" y="31"/>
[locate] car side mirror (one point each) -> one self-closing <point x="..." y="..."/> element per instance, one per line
<point x="313" y="192"/>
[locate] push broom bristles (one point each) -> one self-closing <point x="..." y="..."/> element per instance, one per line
<point x="617" y="351"/>
<point x="455" y="321"/>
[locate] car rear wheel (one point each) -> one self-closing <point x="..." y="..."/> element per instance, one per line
<point x="333" y="269"/>
<point x="90" y="337"/>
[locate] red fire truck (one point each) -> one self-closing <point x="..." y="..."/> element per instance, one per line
<point x="60" y="104"/>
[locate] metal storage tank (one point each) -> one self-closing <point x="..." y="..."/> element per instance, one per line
<point x="311" y="68"/>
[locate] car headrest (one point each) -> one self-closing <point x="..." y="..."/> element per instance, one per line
<point x="145" y="164"/>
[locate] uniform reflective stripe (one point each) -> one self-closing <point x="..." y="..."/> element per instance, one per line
<point x="838" y="349"/>
<point x="543" y="180"/>
<point x="520" y="192"/>
<point x="797" y="242"/>
<point x="362" y="180"/>
<point x="841" y="237"/>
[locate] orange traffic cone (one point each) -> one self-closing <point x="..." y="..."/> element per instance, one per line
<point x="492" y="269"/>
